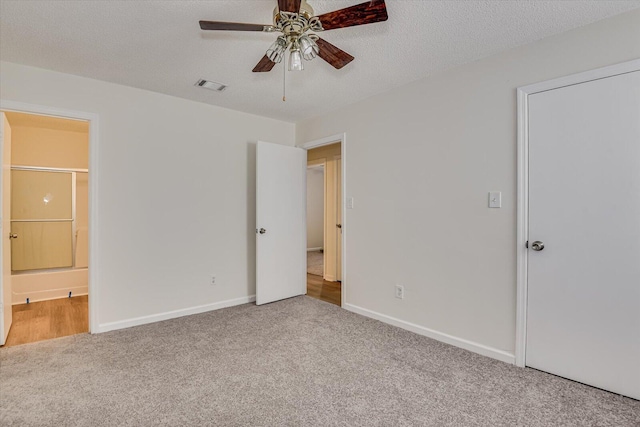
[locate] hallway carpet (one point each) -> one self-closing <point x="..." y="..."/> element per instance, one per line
<point x="298" y="362"/>
<point x="315" y="263"/>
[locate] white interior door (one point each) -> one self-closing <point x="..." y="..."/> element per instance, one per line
<point x="583" y="302"/>
<point x="281" y="230"/>
<point x="6" y="316"/>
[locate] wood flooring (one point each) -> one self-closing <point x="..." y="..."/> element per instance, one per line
<point x="323" y="290"/>
<point x="56" y="318"/>
<point x="44" y="320"/>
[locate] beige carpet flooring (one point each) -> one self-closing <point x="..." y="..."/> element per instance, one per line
<point x="298" y="362"/>
<point x="315" y="263"/>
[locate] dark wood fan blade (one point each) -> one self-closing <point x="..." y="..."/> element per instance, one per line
<point x="360" y="14"/>
<point x="264" y="65"/>
<point x="289" y="5"/>
<point x="232" y="26"/>
<point x="333" y="55"/>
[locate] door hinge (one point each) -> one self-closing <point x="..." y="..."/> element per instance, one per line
<point x="526" y="245"/>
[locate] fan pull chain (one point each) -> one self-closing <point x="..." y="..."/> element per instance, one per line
<point x="284" y="79"/>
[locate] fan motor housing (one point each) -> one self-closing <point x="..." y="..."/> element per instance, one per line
<point x="305" y="10"/>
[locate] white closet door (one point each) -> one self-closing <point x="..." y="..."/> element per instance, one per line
<point x="583" y="310"/>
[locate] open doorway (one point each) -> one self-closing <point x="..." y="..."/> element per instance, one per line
<point x="45" y="242"/>
<point x="324" y="223"/>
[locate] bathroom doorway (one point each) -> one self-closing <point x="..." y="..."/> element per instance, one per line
<point x="45" y="198"/>
<point x="324" y="223"/>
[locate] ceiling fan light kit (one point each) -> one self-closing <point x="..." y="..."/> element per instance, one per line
<point x="294" y="19"/>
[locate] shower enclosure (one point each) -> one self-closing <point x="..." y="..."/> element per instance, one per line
<point x="49" y="231"/>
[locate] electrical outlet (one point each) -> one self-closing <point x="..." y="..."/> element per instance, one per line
<point x="213" y="281"/>
<point x="400" y="291"/>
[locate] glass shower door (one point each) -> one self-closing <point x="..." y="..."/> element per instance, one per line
<point x="42" y="219"/>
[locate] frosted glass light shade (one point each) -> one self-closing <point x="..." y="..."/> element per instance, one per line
<point x="276" y="51"/>
<point x="295" y="60"/>
<point x="308" y="47"/>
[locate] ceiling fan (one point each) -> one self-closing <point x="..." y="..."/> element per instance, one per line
<point x="296" y="21"/>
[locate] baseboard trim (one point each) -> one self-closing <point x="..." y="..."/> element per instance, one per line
<point x="439" y="336"/>
<point x="38" y="296"/>
<point x="137" y="321"/>
<point x="313" y="249"/>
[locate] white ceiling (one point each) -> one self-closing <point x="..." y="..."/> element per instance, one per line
<point x="158" y="45"/>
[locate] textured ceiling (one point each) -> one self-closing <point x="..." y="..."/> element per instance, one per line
<point x="158" y="45"/>
<point x="47" y="122"/>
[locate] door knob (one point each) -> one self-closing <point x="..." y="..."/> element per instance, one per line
<point x="537" y="245"/>
<point x="339" y="225"/>
<point x="262" y="231"/>
<point x="13" y="236"/>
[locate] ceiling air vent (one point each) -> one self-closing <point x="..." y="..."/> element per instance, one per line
<point x="207" y="84"/>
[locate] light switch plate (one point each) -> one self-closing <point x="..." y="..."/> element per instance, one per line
<point x="350" y="203"/>
<point x="495" y="199"/>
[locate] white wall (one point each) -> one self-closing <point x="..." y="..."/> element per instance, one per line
<point x="421" y="160"/>
<point x="315" y="207"/>
<point x="176" y="191"/>
<point x="53" y="148"/>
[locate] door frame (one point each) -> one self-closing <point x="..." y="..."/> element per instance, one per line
<point x="523" y="184"/>
<point x="93" y="119"/>
<point x="334" y="139"/>
<point x="313" y="164"/>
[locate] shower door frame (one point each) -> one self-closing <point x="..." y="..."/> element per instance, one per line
<point x="92" y="119"/>
<point x="73" y="218"/>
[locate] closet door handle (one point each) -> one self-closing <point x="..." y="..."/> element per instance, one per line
<point x="13" y="236"/>
<point x="339" y="225"/>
